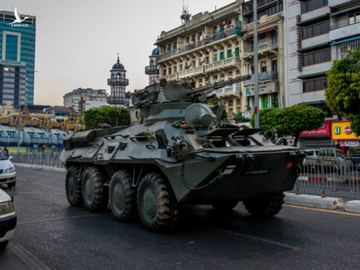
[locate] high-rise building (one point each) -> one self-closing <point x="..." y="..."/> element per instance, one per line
<point x="17" y="45"/>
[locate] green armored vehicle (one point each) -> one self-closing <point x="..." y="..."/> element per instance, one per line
<point x="178" y="152"/>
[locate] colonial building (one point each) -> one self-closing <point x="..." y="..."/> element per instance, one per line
<point x="152" y="70"/>
<point x="205" y="49"/>
<point x="118" y="83"/>
<point x="270" y="55"/>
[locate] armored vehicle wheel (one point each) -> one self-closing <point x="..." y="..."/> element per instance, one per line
<point x="227" y="205"/>
<point x="73" y="186"/>
<point x="156" y="202"/>
<point x="266" y="206"/>
<point x="122" y="196"/>
<point x="95" y="195"/>
<point x="3" y="245"/>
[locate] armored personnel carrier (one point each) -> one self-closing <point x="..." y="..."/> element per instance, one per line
<point x="177" y="152"/>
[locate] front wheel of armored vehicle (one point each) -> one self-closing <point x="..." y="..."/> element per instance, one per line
<point x="266" y="206"/>
<point x="95" y="194"/>
<point x="226" y="205"/>
<point x="73" y="186"/>
<point x="156" y="202"/>
<point x="122" y="196"/>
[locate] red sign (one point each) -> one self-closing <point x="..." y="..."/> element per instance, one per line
<point x="323" y="131"/>
<point x="347" y="130"/>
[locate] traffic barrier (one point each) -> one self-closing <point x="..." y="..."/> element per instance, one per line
<point x="353" y="176"/>
<point x="318" y="178"/>
<point x="38" y="159"/>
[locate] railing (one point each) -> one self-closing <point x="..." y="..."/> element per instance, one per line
<point x="152" y="69"/>
<point x="262" y="45"/>
<point x="212" y="38"/>
<point x="353" y="176"/>
<point x="118" y="100"/>
<point x="121" y="81"/>
<point x="41" y="159"/>
<point x="343" y="24"/>
<point x="263" y="76"/>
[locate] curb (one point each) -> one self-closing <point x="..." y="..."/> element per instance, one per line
<point x="352" y="206"/>
<point x="39" y="167"/>
<point x="314" y="201"/>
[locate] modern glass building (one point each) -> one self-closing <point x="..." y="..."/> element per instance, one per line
<point x="17" y="44"/>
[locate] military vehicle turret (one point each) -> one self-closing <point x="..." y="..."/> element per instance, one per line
<point x="179" y="152"/>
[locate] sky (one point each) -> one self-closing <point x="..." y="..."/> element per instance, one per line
<point x="77" y="41"/>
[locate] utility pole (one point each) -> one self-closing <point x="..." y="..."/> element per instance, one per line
<point x="256" y="79"/>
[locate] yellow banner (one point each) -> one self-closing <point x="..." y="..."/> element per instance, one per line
<point x="341" y="130"/>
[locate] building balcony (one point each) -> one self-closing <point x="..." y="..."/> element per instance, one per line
<point x="229" y="91"/>
<point x="192" y="72"/>
<point x="223" y="64"/>
<point x="263" y="76"/>
<point x="152" y="69"/>
<point x="195" y="45"/>
<point x="119" y="81"/>
<point x="265" y="46"/>
<point x="344" y="30"/>
<point x="338" y="3"/>
<point x="118" y="100"/>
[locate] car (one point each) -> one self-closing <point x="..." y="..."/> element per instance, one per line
<point x="7" y="219"/>
<point x="311" y="156"/>
<point x="7" y="170"/>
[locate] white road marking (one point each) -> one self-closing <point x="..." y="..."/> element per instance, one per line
<point x="21" y="178"/>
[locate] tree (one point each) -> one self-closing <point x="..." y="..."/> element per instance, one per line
<point x="128" y="94"/>
<point x="291" y="120"/>
<point x="93" y="117"/>
<point x="214" y="108"/>
<point x="343" y="88"/>
<point x="238" y="118"/>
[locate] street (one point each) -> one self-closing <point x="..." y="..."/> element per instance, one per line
<point x="65" y="237"/>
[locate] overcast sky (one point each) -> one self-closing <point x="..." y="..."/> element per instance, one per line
<point x="77" y="41"/>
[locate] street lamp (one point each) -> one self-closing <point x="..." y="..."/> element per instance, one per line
<point x="19" y="125"/>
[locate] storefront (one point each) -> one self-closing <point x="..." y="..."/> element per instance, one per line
<point x="315" y="139"/>
<point x="342" y="135"/>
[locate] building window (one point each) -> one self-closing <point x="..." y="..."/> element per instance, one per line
<point x="263" y="66"/>
<point x="317" y="57"/>
<point x="228" y="53"/>
<point x="215" y="57"/>
<point x="354" y="18"/>
<point x="237" y="52"/>
<point x="316" y="29"/>
<point x="309" y="5"/>
<point x="315" y="84"/>
<point x="266" y="11"/>
<point x="230" y="73"/>
<point x="222" y="56"/>
<point x="343" y="47"/>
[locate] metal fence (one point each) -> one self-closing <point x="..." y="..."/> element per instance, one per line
<point x="319" y="179"/>
<point x="41" y="159"/>
<point x="324" y="177"/>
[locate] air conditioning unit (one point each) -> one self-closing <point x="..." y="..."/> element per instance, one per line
<point x="201" y="60"/>
<point x="223" y="22"/>
<point x="188" y="64"/>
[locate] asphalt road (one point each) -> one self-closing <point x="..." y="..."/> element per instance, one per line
<point x="65" y="237"/>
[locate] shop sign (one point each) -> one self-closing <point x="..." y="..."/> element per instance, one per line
<point x="35" y="145"/>
<point x="44" y="145"/>
<point x="322" y="131"/>
<point x="349" y="143"/>
<point x="341" y="130"/>
<point x="266" y="88"/>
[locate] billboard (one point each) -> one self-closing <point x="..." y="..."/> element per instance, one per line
<point x="322" y="131"/>
<point x="341" y="130"/>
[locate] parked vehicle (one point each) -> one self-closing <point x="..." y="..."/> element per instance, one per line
<point x="311" y="156"/>
<point x="7" y="170"/>
<point x="331" y="157"/>
<point x="7" y="219"/>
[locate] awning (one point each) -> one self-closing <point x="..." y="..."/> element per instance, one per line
<point x="352" y="9"/>
<point x="312" y="75"/>
<point x="260" y="32"/>
<point x="345" y="40"/>
<point x="314" y="20"/>
<point x="319" y="46"/>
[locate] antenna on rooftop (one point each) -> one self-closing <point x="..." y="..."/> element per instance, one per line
<point x="185" y="16"/>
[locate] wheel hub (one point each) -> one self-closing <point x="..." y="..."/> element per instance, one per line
<point x="118" y="196"/>
<point x="149" y="203"/>
<point x="89" y="190"/>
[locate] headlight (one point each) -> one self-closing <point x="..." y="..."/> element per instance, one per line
<point x="9" y="170"/>
<point x="6" y="208"/>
